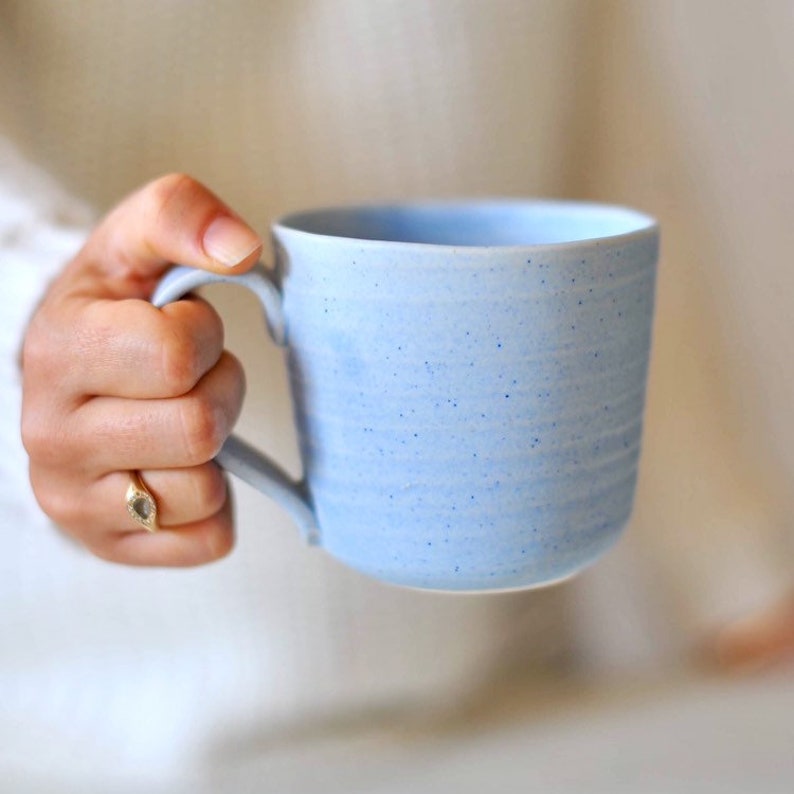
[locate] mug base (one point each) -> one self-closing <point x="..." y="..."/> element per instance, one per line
<point x="496" y="589"/>
<point x="521" y="588"/>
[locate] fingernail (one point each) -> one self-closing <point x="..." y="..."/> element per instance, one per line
<point x="229" y="241"/>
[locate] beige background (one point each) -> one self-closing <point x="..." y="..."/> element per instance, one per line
<point x="684" y="109"/>
<point x="116" y="679"/>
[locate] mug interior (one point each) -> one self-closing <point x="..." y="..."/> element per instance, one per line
<point x="490" y="223"/>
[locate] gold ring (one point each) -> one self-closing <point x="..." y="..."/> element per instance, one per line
<point x="141" y="505"/>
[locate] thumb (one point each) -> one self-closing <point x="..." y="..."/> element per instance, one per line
<point x="173" y="219"/>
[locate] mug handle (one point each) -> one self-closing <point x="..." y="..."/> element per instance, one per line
<point x="238" y="456"/>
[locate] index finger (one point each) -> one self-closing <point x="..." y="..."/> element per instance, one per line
<point x="172" y="219"/>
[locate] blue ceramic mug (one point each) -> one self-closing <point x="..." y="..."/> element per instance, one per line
<point x="468" y="381"/>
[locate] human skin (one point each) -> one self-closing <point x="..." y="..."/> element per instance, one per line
<point x="112" y="384"/>
<point x="763" y="639"/>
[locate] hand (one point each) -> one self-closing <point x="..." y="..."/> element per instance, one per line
<point x="112" y="384"/>
<point x="759" y="641"/>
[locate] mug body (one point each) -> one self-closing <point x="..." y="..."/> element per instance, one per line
<point x="469" y="382"/>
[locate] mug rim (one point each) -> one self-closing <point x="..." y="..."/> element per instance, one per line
<point x="642" y="224"/>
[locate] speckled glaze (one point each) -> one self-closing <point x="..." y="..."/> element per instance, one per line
<point x="469" y="382"/>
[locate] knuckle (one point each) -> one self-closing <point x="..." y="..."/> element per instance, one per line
<point x="41" y="349"/>
<point x="32" y="432"/>
<point x="53" y="502"/>
<point x="43" y="442"/>
<point x="235" y="384"/>
<point x="209" y="489"/>
<point x="181" y="362"/>
<point x="170" y="187"/>
<point x="219" y="541"/>
<point x="204" y="427"/>
<point x="107" y="548"/>
<point x="35" y="349"/>
<point x="172" y="198"/>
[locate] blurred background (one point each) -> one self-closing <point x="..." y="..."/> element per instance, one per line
<point x="276" y="665"/>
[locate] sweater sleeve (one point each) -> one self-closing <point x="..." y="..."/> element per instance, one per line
<point x="41" y="227"/>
